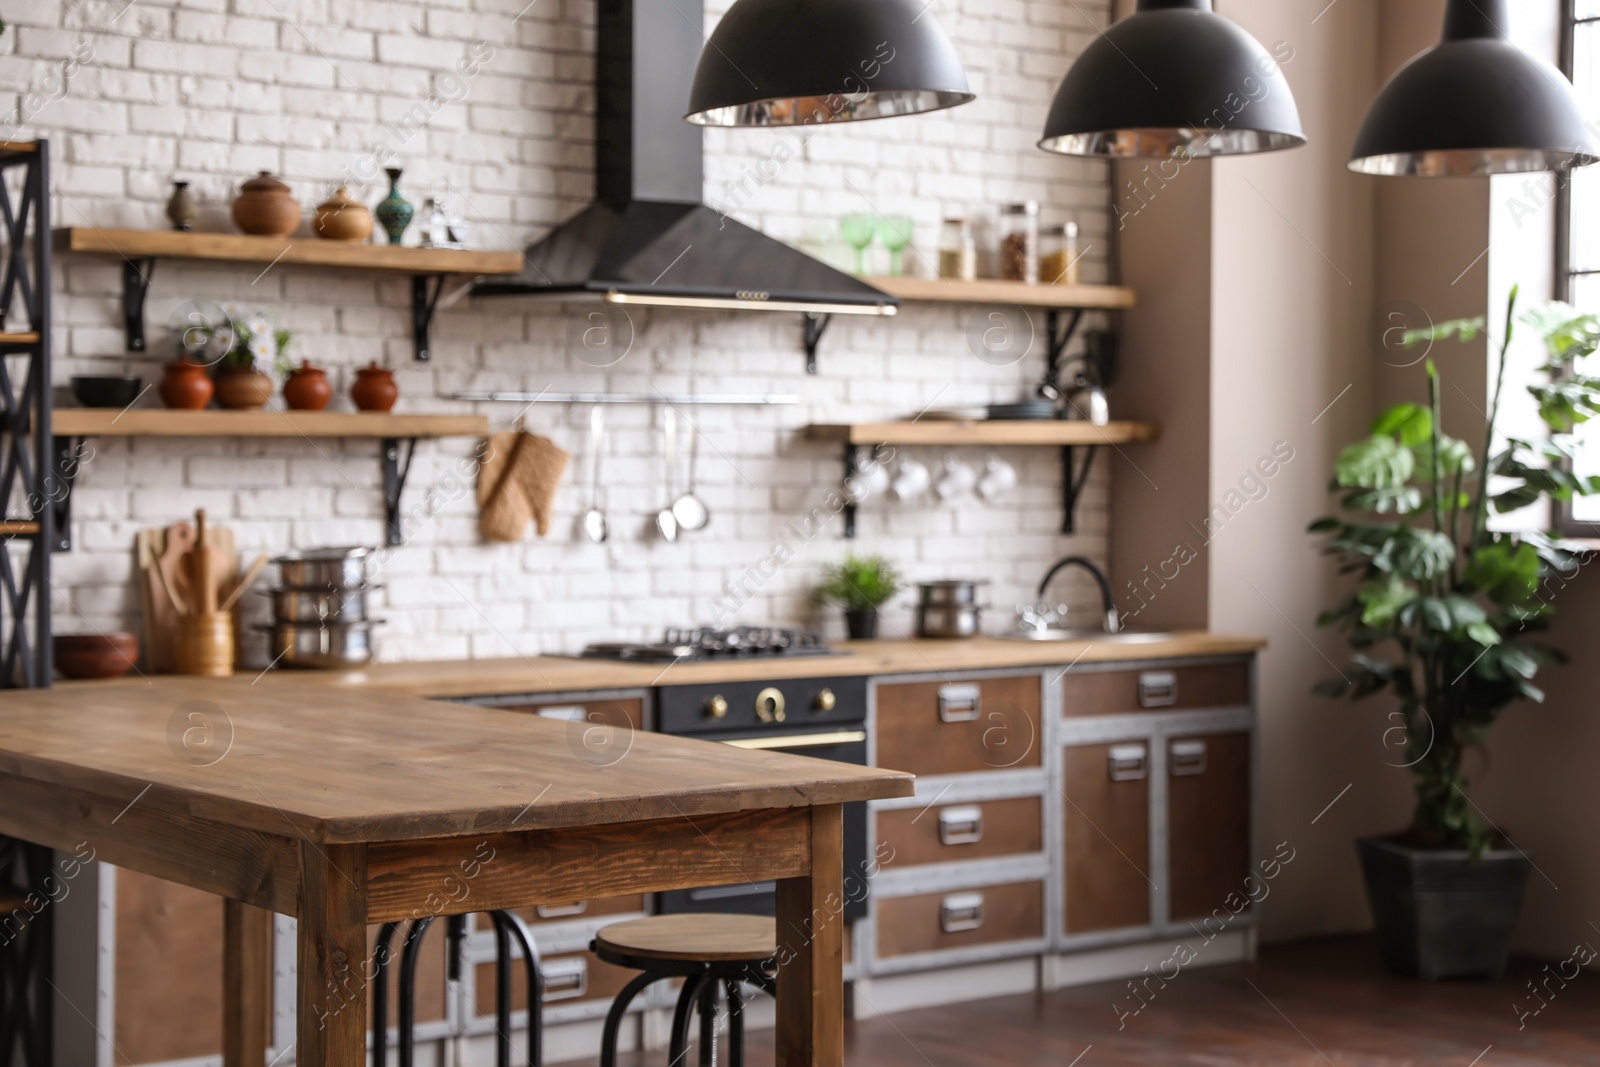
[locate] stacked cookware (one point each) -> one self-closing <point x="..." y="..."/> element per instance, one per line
<point x="320" y="613"/>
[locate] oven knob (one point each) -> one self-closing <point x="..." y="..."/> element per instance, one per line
<point x="826" y="701"/>
<point x="769" y="705"/>
<point x="717" y="706"/>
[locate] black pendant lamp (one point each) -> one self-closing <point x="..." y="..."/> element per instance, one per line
<point x="1475" y="105"/>
<point x="802" y="62"/>
<point x="1174" y="79"/>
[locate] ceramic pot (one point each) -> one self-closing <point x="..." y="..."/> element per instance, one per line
<point x="181" y="208"/>
<point x="239" y="389"/>
<point x="307" y="388"/>
<point x="862" y="625"/>
<point x="375" y="388"/>
<point x="342" y="217"/>
<point x="186" y="386"/>
<point x="264" y="207"/>
<point x="394" y="211"/>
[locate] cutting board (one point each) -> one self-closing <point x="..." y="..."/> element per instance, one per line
<point x="160" y="617"/>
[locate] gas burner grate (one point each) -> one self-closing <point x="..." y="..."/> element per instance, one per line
<point x="709" y="643"/>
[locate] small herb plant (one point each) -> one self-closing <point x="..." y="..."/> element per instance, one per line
<point x="1447" y="613"/>
<point x="859" y="583"/>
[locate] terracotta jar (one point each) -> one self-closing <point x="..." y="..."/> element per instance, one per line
<point x="342" y="217"/>
<point x="307" y="388"/>
<point x="242" y="389"/>
<point x="375" y="388"/>
<point x="185" y="385"/>
<point x="264" y="207"/>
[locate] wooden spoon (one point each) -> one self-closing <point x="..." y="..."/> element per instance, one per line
<point x="250" y="575"/>
<point x="174" y="574"/>
<point x="201" y="570"/>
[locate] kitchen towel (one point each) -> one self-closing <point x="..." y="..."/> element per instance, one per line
<point x="517" y="482"/>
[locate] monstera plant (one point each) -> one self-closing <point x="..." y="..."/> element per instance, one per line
<point x="1448" y="616"/>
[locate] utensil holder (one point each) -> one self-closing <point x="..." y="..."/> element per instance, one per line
<point x="203" y="644"/>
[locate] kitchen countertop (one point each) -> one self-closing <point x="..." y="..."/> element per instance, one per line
<point x="558" y="674"/>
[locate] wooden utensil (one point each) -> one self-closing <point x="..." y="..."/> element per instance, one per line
<point x="179" y="543"/>
<point x="160" y="616"/>
<point x="200" y="569"/>
<point x="250" y="575"/>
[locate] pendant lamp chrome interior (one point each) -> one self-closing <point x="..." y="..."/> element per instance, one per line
<point x="804" y="62"/>
<point x="1475" y="105"/>
<point x="1174" y="79"/>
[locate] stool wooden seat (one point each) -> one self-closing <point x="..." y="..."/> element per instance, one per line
<point x="701" y="938"/>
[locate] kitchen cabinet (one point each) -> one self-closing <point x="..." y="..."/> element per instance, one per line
<point x="1106" y="836"/>
<point x="964" y="918"/>
<point x="1208" y="821"/>
<point x="1157" y="688"/>
<point x="955" y="833"/>
<point x="959" y="727"/>
<point x="168" y="971"/>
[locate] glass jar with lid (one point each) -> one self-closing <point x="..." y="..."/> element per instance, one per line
<point x="1058" y="255"/>
<point x="958" y="251"/>
<point x="1019" y="242"/>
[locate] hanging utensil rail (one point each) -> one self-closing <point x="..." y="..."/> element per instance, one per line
<point x="683" y="399"/>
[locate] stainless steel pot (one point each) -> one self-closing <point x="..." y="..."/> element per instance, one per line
<point x="948" y="620"/>
<point x="328" y="646"/>
<point x="948" y="594"/>
<point x="325" y="568"/>
<point x="315" y="605"/>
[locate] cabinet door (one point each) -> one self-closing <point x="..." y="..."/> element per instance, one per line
<point x="168" y="979"/>
<point x="1107" y="854"/>
<point x="1208" y="821"/>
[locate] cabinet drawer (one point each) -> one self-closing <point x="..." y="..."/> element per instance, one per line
<point x="956" y="832"/>
<point x="932" y="922"/>
<point x="546" y="914"/>
<point x="958" y="727"/>
<point x="569" y="978"/>
<point x="1207" y="685"/>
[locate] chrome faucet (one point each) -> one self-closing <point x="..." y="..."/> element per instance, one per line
<point x="1043" y="616"/>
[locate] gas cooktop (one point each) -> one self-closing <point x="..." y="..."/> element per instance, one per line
<point x="707" y="643"/>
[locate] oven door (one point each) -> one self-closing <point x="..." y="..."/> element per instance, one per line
<point x="758" y="898"/>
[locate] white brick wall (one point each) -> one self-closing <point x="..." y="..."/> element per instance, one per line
<point x="213" y="90"/>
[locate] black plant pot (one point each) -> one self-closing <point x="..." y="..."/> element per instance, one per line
<point x="1443" y="914"/>
<point x="862" y="625"/>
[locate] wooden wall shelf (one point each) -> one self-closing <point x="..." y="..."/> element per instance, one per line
<point x="990" y="291"/>
<point x="18" y="340"/>
<point x="139" y="250"/>
<point x="1063" y="434"/>
<point x="397" y="437"/>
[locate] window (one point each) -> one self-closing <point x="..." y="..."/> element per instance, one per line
<point x="1578" y="237"/>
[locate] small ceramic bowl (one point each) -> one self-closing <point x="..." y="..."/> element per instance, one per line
<point x="85" y="656"/>
<point x="108" y="391"/>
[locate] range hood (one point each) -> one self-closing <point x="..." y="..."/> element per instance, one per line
<point x="648" y="238"/>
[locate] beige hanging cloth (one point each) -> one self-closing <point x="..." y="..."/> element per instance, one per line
<point x="517" y="482"/>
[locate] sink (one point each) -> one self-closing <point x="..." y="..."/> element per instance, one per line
<point x="1126" y="637"/>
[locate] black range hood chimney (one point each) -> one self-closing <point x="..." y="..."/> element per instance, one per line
<point x="648" y="238"/>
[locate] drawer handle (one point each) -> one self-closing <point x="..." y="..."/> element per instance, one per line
<point x="961" y="826"/>
<point x="566" y="979"/>
<point x="1158" y="689"/>
<point x="565" y="713"/>
<point x="561" y="911"/>
<point x="1127" y="763"/>
<point x="1187" y="757"/>
<point x="961" y="911"/>
<point x="959" y="703"/>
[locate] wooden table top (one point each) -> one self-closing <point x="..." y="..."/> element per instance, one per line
<point x="345" y="765"/>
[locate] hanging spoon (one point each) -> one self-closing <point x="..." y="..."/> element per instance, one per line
<point x="690" y="511"/>
<point x="594" y="520"/>
<point x="666" y="521"/>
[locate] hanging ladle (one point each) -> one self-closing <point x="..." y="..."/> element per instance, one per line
<point x="690" y="511"/>
<point x="594" y="520"/>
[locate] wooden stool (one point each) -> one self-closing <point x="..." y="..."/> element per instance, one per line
<point x="709" y="952"/>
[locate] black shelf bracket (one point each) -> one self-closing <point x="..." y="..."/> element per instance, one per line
<point x="395" y="471"/>
<point x="1058" y="338"/>
<point x="423" y="304"/>
<point x="816" y="325"/>
<point x="136" y="275"/>
<point x="1074" y="476"/>
<point x="58" y="489"/>
<point x="852" y="468"/>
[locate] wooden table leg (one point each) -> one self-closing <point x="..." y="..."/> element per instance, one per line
<point x="332" y="1001"/>
<point x="246" y="984"/>
<point x="810" y="952"/>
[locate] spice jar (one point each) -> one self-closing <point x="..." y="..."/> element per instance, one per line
<point x="1058" y="255"/>
<point x="958" y="251"/>
<point x="1019" y="242"/>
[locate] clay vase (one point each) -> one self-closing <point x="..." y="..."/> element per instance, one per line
<point x="239" y="389"/>
<point x="181" y="208"/>
<point x="307" y="388"/>
<point x="342" y="217"/>
<point x="375" y="388"/>
<point x="394" y="211"/>
<point x="186" y="386"/>
<point x="265" y="208"/>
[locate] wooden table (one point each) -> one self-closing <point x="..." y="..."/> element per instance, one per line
<point x="345" y="809"/>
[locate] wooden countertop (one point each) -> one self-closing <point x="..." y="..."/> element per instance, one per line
<point x="556" y="674"/>
<point x="342" y="766"/>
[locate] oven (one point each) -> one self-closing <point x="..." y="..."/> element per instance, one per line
<point x="823" y="718"/>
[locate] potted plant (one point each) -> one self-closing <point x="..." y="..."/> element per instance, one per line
<point x="860" y="585"/>
<point x="1446" y="616"/>
<point x="241" y="349"/>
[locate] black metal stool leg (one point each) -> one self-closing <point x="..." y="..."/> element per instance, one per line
<point x="678" y="1048"/>
<point x="502" y="994"/>
<point x="517" y="929"/>
<point x="408" y="989"/>
<point x="619" y="1007"/>
<point x="708" y="1022"/>
<point x="735" y="1024"/>
<point x="380" y="995"/>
